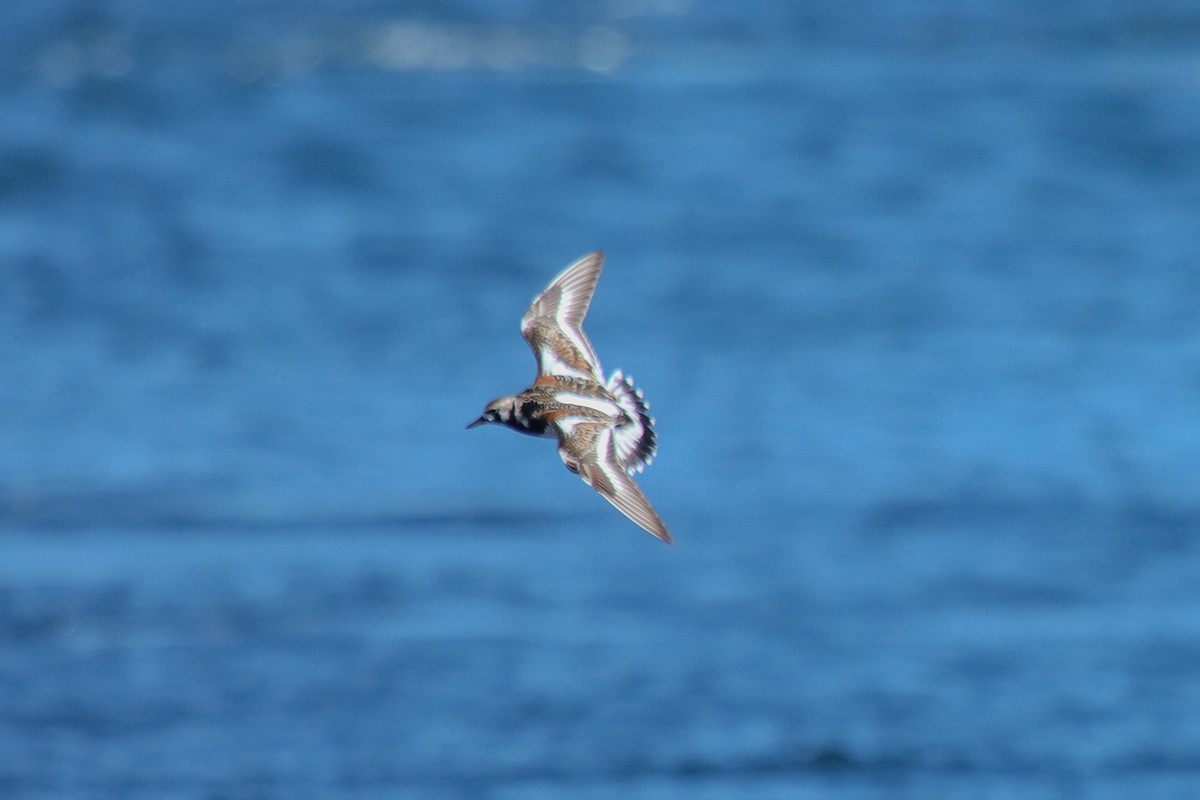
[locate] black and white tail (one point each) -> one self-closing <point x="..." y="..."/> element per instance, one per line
<point x="635" y="442"/>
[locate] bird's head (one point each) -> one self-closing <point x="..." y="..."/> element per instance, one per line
<point x="500" y="410"/>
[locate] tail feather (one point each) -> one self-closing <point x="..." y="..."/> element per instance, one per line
<point x="636" y="442"/>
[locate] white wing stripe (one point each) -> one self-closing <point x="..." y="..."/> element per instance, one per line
<point x="625" y="495"/>
<point x="596" y="403"/>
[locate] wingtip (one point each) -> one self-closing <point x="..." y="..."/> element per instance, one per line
<point x="595" y="257"/>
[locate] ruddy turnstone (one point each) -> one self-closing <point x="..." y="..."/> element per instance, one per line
<point x="603" y="427"/>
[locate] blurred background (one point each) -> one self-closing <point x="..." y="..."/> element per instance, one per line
<point x="912" y="288"/>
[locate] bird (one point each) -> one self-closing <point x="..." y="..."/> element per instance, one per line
<point x="603" y="425"/>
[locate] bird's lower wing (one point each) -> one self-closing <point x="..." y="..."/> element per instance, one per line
<point x="609" y="478"/>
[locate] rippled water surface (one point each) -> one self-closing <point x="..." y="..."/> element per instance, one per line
<point x="913" y="291"/>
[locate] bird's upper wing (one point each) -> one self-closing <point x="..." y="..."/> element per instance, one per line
<point x="600" y="467"/>
<point x="553" y="325"/>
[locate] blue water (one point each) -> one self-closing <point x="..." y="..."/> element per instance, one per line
<point x="913" y="289"/>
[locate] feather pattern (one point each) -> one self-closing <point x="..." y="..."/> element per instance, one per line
<point x="634" y="440"/>
<point x="553" y="325"/>
<point x="590" y="451"/>
<point x="604" y="429"/>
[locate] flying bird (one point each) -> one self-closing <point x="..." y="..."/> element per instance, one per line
<point x="603" y="426"/>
